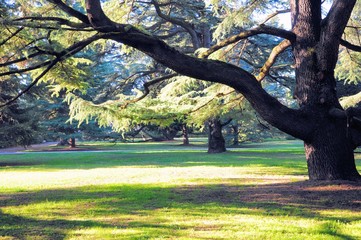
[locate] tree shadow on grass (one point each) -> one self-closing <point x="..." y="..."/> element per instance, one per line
<point x="304" y="200"/>
<point x="140" y="203"/>
<point x="304" y="194"/>
<point x="31" y="228"/>
<point x="17" y="164"/>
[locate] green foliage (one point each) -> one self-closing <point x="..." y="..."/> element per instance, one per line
<point x="20" y="129"/>
<point x="122" y="13"/>
<point x="200" y="101"/>
<point x="68" y="75"/>
<point x="241" y="14"/>
<point x="54" y="120"/>
<point x="350" y="101"/>
<point x="19" y="123"/>
<point x="111" y="113"/>
<point x="349" y="68"/>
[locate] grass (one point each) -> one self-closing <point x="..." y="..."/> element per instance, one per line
<point x="168" y="191"/>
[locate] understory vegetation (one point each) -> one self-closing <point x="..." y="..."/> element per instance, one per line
<point x="169" y="191"/>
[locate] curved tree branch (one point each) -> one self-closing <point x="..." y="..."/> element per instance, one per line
<point x="146" y="88"/>
<point x="38" y="52"/>
<point x="98" y="19"/>
<point x="350" y="46"/>
<point x="72" y="12"/>
<point x="47" y="26"/>
<point x="338" y="16"/>
<point x="294" y="121"/>
<point x="70" y="51"/>
<point x="272" y="58"/>
<point x="272" y="15"/>
<point x="8" y="63"/>
<point x="183" y="24"/>
<point x="58" y="20"/>
<point x="262" y="29"/>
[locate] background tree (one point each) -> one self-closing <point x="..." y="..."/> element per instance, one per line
<point x="19" y="123"/>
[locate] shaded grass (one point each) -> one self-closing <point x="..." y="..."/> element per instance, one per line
<point x="173" y="192"/>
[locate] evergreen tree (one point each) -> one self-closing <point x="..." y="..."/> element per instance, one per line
<point x="19" y="123"/>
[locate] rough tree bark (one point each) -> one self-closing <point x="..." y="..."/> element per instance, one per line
<point x="329" y="149"/>
<point x="216" y="142"/>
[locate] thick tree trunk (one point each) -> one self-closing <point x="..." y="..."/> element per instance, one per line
<point x="216" y="142"/>
<point x="330" y="153"/>
<point x="329" y="148"/>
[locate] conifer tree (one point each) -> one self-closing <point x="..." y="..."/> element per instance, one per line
<point x="19" y="123"/>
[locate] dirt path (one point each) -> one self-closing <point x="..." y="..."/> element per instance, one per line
<point x="21" y="149"/>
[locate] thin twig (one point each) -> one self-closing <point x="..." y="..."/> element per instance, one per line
<point x="272" y="15"/>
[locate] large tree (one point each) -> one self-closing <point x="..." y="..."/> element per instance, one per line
<point x="329" y="132"/>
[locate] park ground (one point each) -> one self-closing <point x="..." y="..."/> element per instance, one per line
<point x="169" y="191"/>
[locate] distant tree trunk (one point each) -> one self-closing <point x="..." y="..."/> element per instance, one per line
<point x="235" y="132"/>
<point x="72" y="142"/>
<point x="185" y="134"/>
<point x="216" y="142"/>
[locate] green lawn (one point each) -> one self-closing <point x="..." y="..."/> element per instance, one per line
<point x="168" y="191"/>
